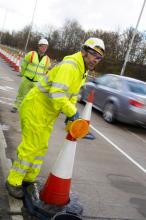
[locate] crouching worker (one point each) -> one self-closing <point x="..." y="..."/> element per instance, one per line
<point x="55" y="93"/>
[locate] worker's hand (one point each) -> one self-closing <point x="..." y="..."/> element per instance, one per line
<point x="69" y="120"/>
<point x="73" y="118"/>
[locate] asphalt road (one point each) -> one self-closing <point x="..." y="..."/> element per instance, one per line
<point x="109" y="173"/>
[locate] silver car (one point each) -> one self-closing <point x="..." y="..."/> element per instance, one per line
<point x="118" y="98"/>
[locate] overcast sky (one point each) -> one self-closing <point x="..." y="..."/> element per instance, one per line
<point x="106" y="15"/>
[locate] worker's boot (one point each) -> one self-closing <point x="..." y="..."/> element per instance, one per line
<point x="26" y="184"/>
<point x="15" y="191"/>
<point x="14" y="110"/>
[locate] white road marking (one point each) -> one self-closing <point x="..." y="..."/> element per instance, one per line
<point x="6" y="88"/>
<point x="6" y="103"/>
<point x="5" y="127"/>
<point x="6" y="78"/>
<point x="1" y="97"/>
<point x="119" y="149"/>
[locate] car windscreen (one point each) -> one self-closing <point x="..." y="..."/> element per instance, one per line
<point x="137" y="87"/>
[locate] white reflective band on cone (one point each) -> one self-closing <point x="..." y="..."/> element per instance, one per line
<point x="63" y="166"/>
<point x="86" y="114"/>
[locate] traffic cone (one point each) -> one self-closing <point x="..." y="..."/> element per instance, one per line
<point x="57" y="188"/>
<point x="17" y="64"/>
<point x="86" y="114"/>
<point x="12" y="61"/>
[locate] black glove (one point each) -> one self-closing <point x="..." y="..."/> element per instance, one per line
<point x="73" y="118"/>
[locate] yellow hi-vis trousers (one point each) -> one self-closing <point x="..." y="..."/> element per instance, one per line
<point x="24" y="87"/>
<point x="37" y="119"/>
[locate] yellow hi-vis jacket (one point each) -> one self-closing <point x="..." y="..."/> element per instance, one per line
<point x="63" y="82"/>
<point x="32" y="68"/>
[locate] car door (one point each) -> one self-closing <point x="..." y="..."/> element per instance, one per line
<point x="106" y="88"/>
<point x="101" y="91"/>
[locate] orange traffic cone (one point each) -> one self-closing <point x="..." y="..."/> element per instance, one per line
<point x="17" y="64"/>
<point x="57" y="188"/>
<point x="86" y="114"/>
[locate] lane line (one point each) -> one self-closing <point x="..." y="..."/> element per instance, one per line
<point x="7" y="88"/>
<point x="1" y="97"/>
<point x="6" y="103"/>
<point x="119" y="149"/>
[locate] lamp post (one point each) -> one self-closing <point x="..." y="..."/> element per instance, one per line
<point x="132" y="39"/>
<point x="31" y="24"/>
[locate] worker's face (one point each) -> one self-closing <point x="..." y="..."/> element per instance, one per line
<point x="42" y="48"/>
<point x="91" y="59"/>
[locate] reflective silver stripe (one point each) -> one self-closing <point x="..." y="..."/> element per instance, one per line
<point x="46" y="78"/>
<point x="34" y="64"/>
<point x="59" y="85"/>
<point x="36" y="166"/>
<point x="19" y="169"/>
<point x="41" y="67"/>
<point x="34" y="72"/>
<point x="68" y="61"/>
<point x="42" y="88"/>
<point x="39" y="74"/>
<point x="23" y="162"/>
<point x="57" y="95"/>
<point x="39" y="158"/>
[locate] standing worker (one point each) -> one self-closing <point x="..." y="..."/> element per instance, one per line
<point x="34" y="65"/>
<point x="55" y="93"/>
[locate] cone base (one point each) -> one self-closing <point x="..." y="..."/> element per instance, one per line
<point x="56" y="191"/>
<point x="35" y="207"/>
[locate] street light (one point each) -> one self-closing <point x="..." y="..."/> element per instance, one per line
<point x="30" y="27"/>
<point x="131" y="42"/>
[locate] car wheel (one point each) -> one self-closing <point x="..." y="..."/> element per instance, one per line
<point x="109" y="113"/>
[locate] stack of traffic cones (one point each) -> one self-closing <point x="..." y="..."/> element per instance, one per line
<point x="12" y="60"/>
<point x="17" y="63"/>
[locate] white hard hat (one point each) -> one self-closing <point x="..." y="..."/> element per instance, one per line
<point x="43" y="41"/>
<point x="95" y="44"/>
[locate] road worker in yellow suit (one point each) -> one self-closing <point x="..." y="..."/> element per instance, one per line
<point x="55" y="93"/>
<point x="34" y="65"/>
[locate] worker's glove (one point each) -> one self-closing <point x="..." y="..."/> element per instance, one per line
<point x="68" y="121"/>
<point x="73" y="118"/>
